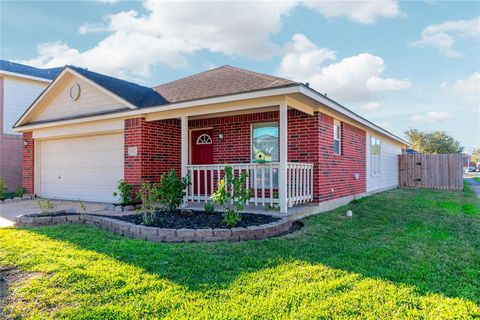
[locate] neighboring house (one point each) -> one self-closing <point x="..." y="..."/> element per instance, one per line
<point x="20" y="85"/>
<point x="87" y="131"/>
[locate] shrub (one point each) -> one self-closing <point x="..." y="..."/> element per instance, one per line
<point x="3" y="188"/>
<point x="232" y="194"/>
<point x="209" y="207"/>
<point x="125" y="191"/>
<point x="148" y="195"/>
<point x="20" y="191"/>
<point x="45" y="205"/>
<point x="171" y="190"/>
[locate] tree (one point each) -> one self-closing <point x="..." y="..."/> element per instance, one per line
<point x="433" y="142"/>
<point x="475" y="155"/>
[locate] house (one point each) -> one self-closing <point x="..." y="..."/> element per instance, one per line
<point x="87" y="131"/>
<point x="20" y="85"/>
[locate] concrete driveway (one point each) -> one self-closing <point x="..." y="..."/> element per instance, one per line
<point x="8" y="211"/>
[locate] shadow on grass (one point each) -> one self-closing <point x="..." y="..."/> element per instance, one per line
<point x="413" y="237"/>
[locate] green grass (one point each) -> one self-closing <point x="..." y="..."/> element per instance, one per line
<point x="404" y="254"/>
<point x="477" y="178"/>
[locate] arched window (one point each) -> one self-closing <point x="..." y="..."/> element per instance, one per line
<point x="204" y="139"/>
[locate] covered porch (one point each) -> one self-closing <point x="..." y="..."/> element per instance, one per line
<point x="224" y="134"/>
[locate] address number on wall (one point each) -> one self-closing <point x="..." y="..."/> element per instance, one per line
<point x="132" y="151"/>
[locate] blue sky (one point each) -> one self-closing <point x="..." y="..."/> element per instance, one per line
<point x="402" y="65"/>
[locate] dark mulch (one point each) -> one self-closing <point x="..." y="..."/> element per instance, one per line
<point x="196" y="220"/>
<point x="51" y="214"/>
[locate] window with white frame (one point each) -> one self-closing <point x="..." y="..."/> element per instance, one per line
<point x="265" y="150"/>
<point x="337" y="137"/>
<point x="375" y="151"/>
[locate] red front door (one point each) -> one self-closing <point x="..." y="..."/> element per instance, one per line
<point x="202" y="153"/>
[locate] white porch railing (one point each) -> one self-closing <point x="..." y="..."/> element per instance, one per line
<point x="262" y="180"/>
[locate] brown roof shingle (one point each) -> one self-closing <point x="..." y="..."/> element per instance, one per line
<point x="220" y="81"/>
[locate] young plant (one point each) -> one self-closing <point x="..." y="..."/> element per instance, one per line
<point x="83" y="206"/>
<point x="232" y="195"/>
<point x="125" y="191"/>
<point x="20" y="191"/>
<point x="45" y="205"/>
<point x="3" y="188"/>
<point x="171" y="190"/>
<point x="209" y="207"/>
<point x="148" y="195"/>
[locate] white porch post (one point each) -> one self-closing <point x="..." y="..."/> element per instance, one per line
<point x="282" y="172"/>
<point x="184" y="146"/>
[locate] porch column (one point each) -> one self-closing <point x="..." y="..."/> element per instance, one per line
<point x="282" y="174"/>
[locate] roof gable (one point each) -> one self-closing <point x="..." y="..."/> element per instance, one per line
<point x="135" y="94"/>
<point x="221" y="81"/>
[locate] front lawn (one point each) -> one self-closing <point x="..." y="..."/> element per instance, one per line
<point x="403" y="254"/>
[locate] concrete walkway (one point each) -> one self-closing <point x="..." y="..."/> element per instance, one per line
<point x="8" y="211"/>
<point x="475" y="185"/>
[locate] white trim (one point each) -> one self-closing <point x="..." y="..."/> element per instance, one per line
<point x="25" y="76"/>
<point x="208" y="101"/>
<point x="337" y="107"/>
<point x="208" y="141"/>
<point x="283" y="156"/>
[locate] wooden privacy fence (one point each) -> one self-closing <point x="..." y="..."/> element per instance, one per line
<point x="440" y="171"/>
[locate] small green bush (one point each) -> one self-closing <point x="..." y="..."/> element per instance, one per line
<point x="20" y="191"/>
<point x="45" y="205"/>
<point x="209" y="207"/>
<point x="171" y="190"/>
<point x="149" y="197"/>
<point x="3" y="188"/>
<point x="125" y="191"/>
<point x="232" y="194"/>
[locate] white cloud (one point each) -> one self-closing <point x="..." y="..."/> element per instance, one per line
<point x="431" y="117"/>
<point x="366" y="12"/>
<point x="443" y="36"/>
<point x="469" y="85"/>
<point x="357" y="78"/>
<point x="168" y="33"/>
<point x="371" y="106"/>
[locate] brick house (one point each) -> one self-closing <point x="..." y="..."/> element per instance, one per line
<point x="86" y="131"/>
<point x="20" y="85"/>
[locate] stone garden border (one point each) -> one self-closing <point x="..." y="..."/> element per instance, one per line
<point x="16" y="199"/>
<point x="154" y="234"/>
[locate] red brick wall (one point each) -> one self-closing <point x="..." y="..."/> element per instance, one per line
<point x="158" y="149"/>
<point x="336" y="171"/>
<point x="28" y="168"/>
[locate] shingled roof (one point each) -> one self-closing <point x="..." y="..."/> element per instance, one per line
<point x="137" y="95"/>
<point x="28" y="70"/>
<point x="220" y="81"/>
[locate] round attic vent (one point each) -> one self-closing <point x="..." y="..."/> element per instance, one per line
<point x="75" y="92"/>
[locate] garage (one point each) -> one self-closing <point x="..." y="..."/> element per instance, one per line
<point x="84" y="168"/>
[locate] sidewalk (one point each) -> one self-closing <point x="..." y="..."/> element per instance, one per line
<point x="475" y="185"/>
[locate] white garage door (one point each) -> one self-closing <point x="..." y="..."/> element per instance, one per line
<point x="84" y="168"/>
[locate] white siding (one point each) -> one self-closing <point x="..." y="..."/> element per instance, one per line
<point x="91" y="100"/>
<point x="388" y="164"/>
<point x="19" y="94"/>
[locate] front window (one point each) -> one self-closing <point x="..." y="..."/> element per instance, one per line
<point x="265" y="142"/>
<point x="337" y="136"/>
<point x="375" y="151"/>
<point x="265" y="150"/>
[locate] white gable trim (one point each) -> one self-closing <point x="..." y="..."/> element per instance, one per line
<point x="21" y="75"/>
<point x="58" y="79"/>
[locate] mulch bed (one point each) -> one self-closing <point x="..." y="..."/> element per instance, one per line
<point x="51" y="214"/>
<point x="196" y="220"/>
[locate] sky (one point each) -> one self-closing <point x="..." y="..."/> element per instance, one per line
<point x="412" y="64"/>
